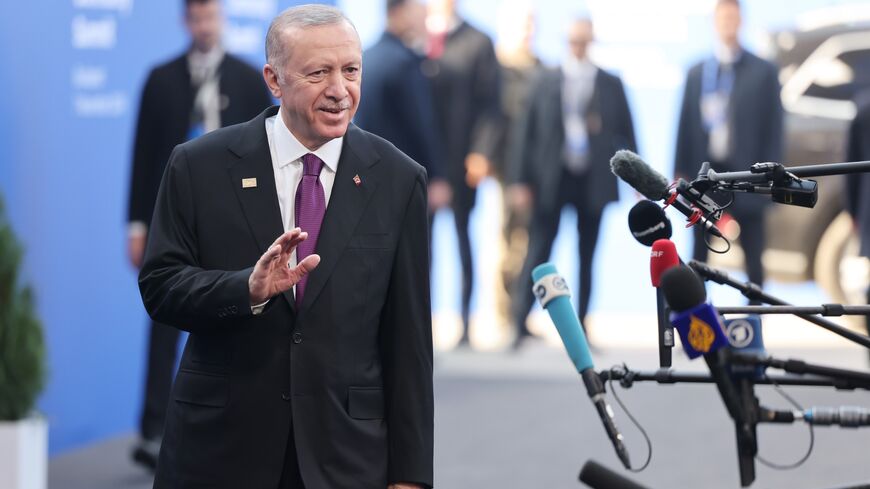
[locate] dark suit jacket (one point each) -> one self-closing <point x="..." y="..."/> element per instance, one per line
<point x="465" y="80"/>
<point x="754" y="119"/>
<point x="164" y="120"/>
<point x="539" y="145"/>
<point x="351" y="370"/>
<point x="396" y="103"/>
<point x="858" y="186"/>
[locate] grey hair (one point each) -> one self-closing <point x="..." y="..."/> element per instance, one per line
<point x="299" y="17"/>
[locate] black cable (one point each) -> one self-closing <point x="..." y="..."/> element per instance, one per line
<point x="633" y="420"/>
<point x="806" y="456"/>
<point x="708" y="234"/>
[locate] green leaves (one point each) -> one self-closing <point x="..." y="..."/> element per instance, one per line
<point x="22" y="348"/>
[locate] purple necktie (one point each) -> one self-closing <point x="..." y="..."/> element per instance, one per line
<point x="310" y="207"/>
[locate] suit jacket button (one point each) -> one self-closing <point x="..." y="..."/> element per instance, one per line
<point x="285" y="396"/>
<point x="297" y="338"/>
<point x="234" y="309"/>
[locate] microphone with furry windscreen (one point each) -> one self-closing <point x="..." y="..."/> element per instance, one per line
<point x="631" y="169"/>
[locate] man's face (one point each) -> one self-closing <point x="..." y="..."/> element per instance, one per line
<point x="727" y="21"/>
<point x="319" y="81"/>
<point x="204" y="23"/>
<point x="579" y="38"/>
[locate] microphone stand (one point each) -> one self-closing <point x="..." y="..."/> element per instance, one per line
<point x="665" y="330"/>
<point x="753" y="292"/>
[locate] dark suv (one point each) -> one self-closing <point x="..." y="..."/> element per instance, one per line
<point x="821" y="70"/>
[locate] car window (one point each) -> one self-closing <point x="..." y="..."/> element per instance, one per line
<point x="842" y="77"/>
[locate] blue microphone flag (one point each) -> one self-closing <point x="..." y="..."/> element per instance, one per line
<point x="700" y="330"/>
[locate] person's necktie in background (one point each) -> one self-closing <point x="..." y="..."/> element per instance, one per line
<point x="310" y="207"/>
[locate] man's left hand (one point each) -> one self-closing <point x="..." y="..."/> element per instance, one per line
<point x="403" y="485"/>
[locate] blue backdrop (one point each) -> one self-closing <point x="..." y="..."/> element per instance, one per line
<point x="72" y="74"/>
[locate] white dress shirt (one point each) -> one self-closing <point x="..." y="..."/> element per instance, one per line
<point x="287" y="153"/>
<point x="578" y="83"/>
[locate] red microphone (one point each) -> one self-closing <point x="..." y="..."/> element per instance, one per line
<point x="662" y="258"/>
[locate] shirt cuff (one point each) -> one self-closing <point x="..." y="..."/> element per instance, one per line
<point x="136" y="229"/>
<point x="258" y="309"/>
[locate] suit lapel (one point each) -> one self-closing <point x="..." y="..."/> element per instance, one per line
<point x="346" y="206"/>
<point x="253" y="180"/>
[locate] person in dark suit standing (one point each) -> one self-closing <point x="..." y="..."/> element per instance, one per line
<point x="857" y="195"/>
<point x="294" y="249"/>
<point x="465" y="80"/>
<point x="731" y="116"/>
<point x="398" y="96"/>
<point x="199" y="91"/>
<point x="578" y="116"/>
<point x="520" y="67"/>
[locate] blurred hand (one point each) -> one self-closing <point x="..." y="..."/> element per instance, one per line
<point x="272" y="274"/>
<point x="519" y="197"/>
<point x="404" y="486"/>
<point x="136" y="249"/>
<point x="476" y="169"/>
<point x="440" y="194"/>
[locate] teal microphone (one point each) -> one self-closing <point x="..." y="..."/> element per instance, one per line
<point x="552" y="292"/>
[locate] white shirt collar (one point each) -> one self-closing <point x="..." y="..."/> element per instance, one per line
<point x="288" y="149"/>
<point x="578" y="68"/>
<point x="727" y="55"/>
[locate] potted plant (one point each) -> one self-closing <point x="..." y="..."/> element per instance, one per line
<point x="23" y="433"/>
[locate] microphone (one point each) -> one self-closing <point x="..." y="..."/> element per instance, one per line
<point x="597" y="476"/>
<point x="630" y="168"/>
<point x="701" y="332"/>
<point x="663" y="257"/>
<point x="648" y="222"/>
<point x="698" y="323"/>
<point x="552" y="292"/>
<point x="744" y="336"/>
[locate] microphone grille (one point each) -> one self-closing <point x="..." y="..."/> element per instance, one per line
<point x="682" y="288"/>
<point x="630" y="168"/>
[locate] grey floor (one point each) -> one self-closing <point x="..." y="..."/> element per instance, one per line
<point x="523" y="421"/>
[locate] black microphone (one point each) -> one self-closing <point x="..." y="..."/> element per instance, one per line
<point x="597" y="476"/>
<point x="648" y="223"/>
<point x="702" y="333"/>
<point x="630" y="168"/>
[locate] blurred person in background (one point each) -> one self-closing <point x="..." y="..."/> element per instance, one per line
<point x="398" y="96"/>
<point x="465" y="79"/>
<point x="519" y="68"/>
<point x="201" y="90"/>
<point x="578" y="116"/>
<point x="858" y="186"/>
<point x="731" y="116"/>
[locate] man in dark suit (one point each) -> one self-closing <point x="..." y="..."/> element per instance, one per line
<point x="398" y="96"/>
<point x="465" y="80"/>
<point x="732" y="117"/>
<point x="577" y="118"/>
<point x="309" y="360"/>
<point x="199" y="91"/>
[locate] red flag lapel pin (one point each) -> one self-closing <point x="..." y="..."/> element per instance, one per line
<point x="357" y="180"/>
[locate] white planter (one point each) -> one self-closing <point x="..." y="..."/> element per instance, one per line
<point x="24" y="453"/>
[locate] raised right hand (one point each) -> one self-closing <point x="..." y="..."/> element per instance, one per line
<point x="272" y="273"/>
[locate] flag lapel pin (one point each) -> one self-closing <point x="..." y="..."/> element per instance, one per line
<point x="249" y="183"/>
<point x="357" y="180"/>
